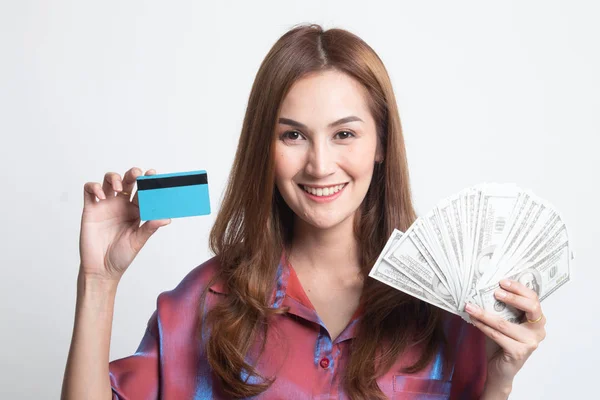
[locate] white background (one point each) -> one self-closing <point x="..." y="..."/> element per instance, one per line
<point x="487" y="91"/>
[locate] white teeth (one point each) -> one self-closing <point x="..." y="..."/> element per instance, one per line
<point x="328" y="191"/>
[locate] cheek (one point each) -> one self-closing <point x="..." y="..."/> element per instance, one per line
<point x="280" y="170"/>
<point x="287" y="165"/>
<point x="279" y="163"/>
<point x="359" y="161"/>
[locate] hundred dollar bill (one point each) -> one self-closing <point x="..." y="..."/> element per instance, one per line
<point x="496" y="206"/>
<point x="416" y="236"/>
<point x="524" y="225"/>
<point x="432" y="253"/>
<point x="539" y="222"/>
<point x="439" y="247"/>
<point x="472" y="217"/>
<point x="554" y="235"/>
<point x="465" y="221"/>
<point x="406" y="258"/>
<point x="541" y="237"/>
<point x="544" y="277"/>
<point x="386" y="273"/>
<point x="448" y="214"/>
<point x="518" y="226"/>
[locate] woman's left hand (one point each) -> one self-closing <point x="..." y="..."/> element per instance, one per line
<point x="516" y="341"/>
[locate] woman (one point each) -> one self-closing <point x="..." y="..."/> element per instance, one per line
<point x="285" y="309"/>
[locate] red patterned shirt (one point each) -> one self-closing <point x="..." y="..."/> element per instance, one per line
<point x="170" y="362"/>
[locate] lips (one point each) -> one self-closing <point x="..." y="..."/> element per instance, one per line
<point x="323" y="191"/>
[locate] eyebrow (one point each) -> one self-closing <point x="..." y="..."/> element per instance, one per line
<point x="340" y="121"/>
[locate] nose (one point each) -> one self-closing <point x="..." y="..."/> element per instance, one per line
<point x="321" y="160"/>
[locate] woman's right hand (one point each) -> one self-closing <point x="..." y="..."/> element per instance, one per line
<point x="111" y="235"/>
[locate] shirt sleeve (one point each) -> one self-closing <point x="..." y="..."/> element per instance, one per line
<point x="470" y="369"/>
<point x="137" y="376"/>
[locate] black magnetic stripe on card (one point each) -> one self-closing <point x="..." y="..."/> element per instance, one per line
<point x="172" y="181"/>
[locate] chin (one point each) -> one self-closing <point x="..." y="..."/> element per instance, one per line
<point x="326" y="223"/>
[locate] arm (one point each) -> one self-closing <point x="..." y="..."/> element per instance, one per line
<point x="496" y="391"/>
<point x="109" y="240"/>
<point x="86" y="373"/>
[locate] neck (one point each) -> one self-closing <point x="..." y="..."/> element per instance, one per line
<point x="322" y="249"/>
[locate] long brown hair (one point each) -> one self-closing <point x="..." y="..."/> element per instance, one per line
<point x="250" y="232"/>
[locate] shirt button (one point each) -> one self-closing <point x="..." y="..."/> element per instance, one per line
<point x="324" y="363"/>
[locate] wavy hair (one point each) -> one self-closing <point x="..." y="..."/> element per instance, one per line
<point x="250" y="234"/>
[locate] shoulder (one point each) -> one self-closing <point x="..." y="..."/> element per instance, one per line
<point x="188" y="293"/>
<point x="169" y="346"/>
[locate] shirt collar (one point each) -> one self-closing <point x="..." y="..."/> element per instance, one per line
<point x="288" y="292"/>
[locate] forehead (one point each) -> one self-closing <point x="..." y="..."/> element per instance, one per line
<point x="324" y="97"/>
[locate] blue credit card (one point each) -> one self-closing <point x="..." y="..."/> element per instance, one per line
<point x="174" y="195"/>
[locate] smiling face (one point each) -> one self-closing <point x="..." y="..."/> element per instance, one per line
<point x="326" y="147"/>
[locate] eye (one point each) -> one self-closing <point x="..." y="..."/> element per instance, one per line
<point x="292" y="136"/>
<point x="344" y="134"/>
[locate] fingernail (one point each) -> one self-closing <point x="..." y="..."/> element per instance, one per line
<point x="505" y="283"/>
<point x="500" y="293"/>
<point x="471" y="308"/>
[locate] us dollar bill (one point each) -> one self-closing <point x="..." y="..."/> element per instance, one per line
<point x="386" y="273"/>
<point x="544" y="277"/>
<point x="496" y="206"/>
<point x="406" y="258"/>
<point x="460" y="250"/>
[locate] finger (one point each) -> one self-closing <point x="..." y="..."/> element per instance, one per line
<point x="531" y="306"/>
<point x="518" y="288"/>
<point x="111" y="184"/>
<point x="500" y="338"/>
<point x="128" y="182"/>
<point x="514" y="331"/>
<point x="135" y="197"/>
<point x="143" y="233"/>
<point x="91" y="190"/>
<point x="129" y="179"/>
<point x="512" y="348"/>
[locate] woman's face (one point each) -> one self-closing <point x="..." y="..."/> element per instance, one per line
<point x="326" y="147"/>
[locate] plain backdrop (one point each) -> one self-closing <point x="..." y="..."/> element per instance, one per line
<point x="487" y="91"/>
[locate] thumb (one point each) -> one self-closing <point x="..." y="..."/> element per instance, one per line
<point x="143" y="233"/>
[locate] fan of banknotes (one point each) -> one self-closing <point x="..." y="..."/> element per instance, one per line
<point x="460" y="250"/>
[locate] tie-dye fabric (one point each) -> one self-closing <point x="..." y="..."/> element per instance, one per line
<point x="306" y="363"/>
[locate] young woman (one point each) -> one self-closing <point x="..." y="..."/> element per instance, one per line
<point x="285" y="309"/>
